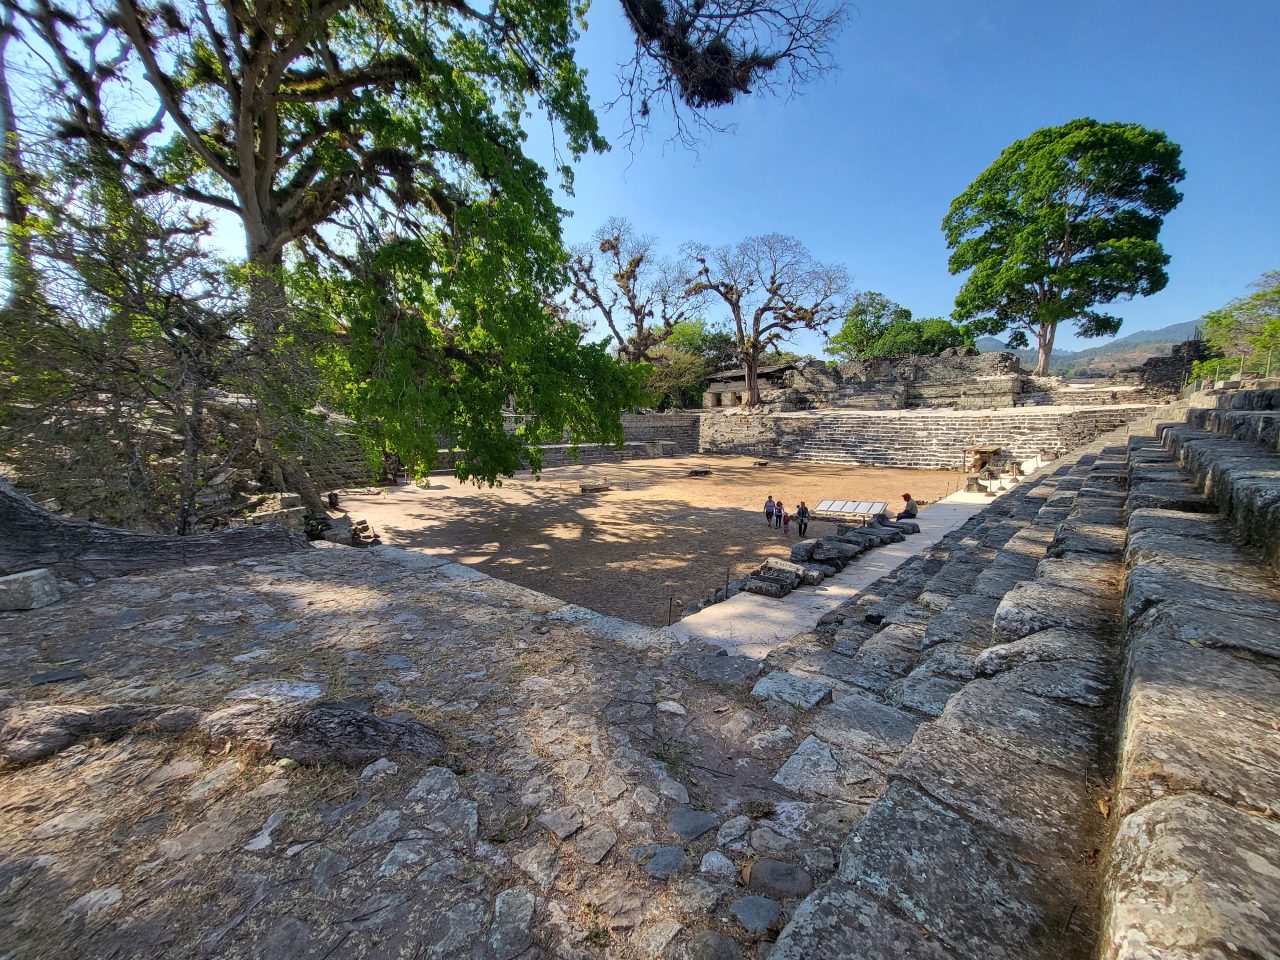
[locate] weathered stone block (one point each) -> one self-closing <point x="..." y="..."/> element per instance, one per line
<point x="803" y="550"/>
<point x="801" y="692"/>
<point x="1047" y="646"/>
<point x="829" y="771"/>
<point x="1042" y="812"/>
<point x="1191" y="878"/>
<point x="1197" y="719"/>
<point x="840" y="920"/>
<point x="29" y="590"/>
<point x="935" y="868"/>
<point x="1031" y="607"/>
<point x="1060" y="734"/>
<point x="865" y="725"/>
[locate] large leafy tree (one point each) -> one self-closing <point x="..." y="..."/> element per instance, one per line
<point x="1065" y="221"/>
<point x="869" y="316"/>
<point x="772" y="288"/>
<point x="876" y="326"/>
<point x="381" y="143"/>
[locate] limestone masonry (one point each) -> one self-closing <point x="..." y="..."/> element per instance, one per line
<point x="1052" y="734"/>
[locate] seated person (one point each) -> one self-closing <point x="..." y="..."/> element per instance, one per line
<point x="909" y="509"/>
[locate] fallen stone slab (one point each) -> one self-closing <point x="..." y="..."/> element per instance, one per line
<point x="765" y="588"/>
<point x="725" y="669"/>
<point x="831" y="546"/>
<point x="803" y="550"/>
<point x="323" y="733"/>
<point x="800" y="692"/>
<point x="29" y="590"/>
<point x="822" y="770"/>
<point x="1186" y="875"/>
<point x="776" y="567"/>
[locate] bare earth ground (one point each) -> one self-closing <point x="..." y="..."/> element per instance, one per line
<point x="659" y="533"/>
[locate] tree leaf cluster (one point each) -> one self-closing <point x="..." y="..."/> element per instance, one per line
<point x="1064" y="221"/>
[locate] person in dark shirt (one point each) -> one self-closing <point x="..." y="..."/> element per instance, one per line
<point x="802" y="519"/>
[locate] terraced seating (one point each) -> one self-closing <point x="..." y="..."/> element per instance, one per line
<point x="966" y="850"/>
<point x="994" y="829"/>
<point x="1194" y="862"/>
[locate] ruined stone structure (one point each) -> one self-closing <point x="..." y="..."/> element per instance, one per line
<point x="936" y="771"/>
<point x="920" y="439"/>
<point x="955" y="380"/>
<point x="1052" y="735"/>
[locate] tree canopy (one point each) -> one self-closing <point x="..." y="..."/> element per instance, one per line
<point x="1065" y="220"/>
<point x="876" y="326"/>
<point x="373" y="155"/>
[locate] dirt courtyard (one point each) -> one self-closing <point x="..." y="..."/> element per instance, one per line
<point x="658" y="533"/>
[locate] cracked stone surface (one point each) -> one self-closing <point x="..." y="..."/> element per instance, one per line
<point x="141" y="804"/>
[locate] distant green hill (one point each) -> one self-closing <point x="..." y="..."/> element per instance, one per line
<point x="1107" y="357"/>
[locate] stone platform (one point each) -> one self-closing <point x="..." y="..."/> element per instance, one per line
<point x="1050" y="735"/>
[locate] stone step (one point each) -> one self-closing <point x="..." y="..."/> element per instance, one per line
<point x="978" y="837"/>
<point x="1198" y="770"/>
<point x="1240" y="478"/>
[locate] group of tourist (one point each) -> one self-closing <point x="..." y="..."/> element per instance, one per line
<point x="779" y="518"/>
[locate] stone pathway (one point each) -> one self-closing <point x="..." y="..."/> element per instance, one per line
<point x="751" y="625"/>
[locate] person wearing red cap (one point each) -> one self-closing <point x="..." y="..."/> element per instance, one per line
<point x="909" y="509"/>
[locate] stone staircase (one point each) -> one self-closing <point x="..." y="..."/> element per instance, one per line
<point x="969" y="700"/>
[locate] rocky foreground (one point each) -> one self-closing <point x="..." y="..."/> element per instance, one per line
<point x="1052" y="736"/>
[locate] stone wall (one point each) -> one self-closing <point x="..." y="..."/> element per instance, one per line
<point x="679" y="427"/>
<point x="913" y="440"/>
<point x="758" y="435"/>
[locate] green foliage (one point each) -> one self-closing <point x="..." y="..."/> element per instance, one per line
<point x="682" y="365"/>
<point x="1246" y="332"/>
<point x="870" y="316"/>
<point x="1064" y="221"/>
<point x="876" y="326"/>
<point x="445" y="332"/>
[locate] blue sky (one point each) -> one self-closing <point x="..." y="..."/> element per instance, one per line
<point x="863" y="163"/>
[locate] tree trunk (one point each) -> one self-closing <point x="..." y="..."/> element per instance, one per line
<point x="22" y="285"/>
<point x="31" y="537"/>
<point x="269" y="308"/>
<point x="750" y="363"/>
<point x="1044" y="343"/>
<point x="192" y="450"/>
